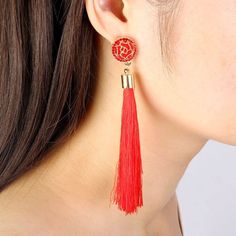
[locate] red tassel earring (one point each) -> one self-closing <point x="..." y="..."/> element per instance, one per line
<point x="127" y="188"/>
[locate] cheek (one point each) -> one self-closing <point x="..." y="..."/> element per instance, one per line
<point x="201" y="93"/>
<point x="204" y="84"/>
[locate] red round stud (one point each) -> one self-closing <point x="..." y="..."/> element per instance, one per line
<point x="124" y="49"/>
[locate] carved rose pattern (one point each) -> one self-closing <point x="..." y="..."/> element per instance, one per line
<point x="124" y="49"/>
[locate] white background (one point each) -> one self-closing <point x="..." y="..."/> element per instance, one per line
<point x="207" y="192"/>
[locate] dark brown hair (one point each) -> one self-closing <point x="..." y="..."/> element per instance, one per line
<point x="47" y="78"/>
<point x="48" y="58"/>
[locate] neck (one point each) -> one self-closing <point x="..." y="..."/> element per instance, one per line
<point x="82" y="170"/>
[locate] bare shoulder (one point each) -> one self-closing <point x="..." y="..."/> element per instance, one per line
<point x="7" y="232"/>
<point x="17" y="224"/>
<point x="8" y="225"/>
<point x="11" y="221"/>
<point x="19" y="214"/>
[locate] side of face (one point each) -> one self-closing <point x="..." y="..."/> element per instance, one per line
<point x="200" y="35"/>
<point x="200" y="93"/>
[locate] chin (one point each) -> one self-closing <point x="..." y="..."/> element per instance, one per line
<point x="228" y="139"/>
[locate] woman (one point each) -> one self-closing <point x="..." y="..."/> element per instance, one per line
<point x="61" y="103"/>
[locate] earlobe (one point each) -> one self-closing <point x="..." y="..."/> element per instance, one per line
<point x="107" y="17"/>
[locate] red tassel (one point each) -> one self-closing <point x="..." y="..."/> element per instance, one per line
<point x="128" y="181"/>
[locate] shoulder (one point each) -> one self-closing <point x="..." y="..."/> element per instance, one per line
<point x="21" y="213"/>
<point x="16" y="224"/>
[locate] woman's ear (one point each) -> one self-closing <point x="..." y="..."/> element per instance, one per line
<point x="108" y="17"/>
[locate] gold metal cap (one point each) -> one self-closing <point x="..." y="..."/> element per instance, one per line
<point x="127" y="81"/>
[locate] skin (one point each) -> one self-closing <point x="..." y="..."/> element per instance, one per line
<point x="178" y="112"/>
